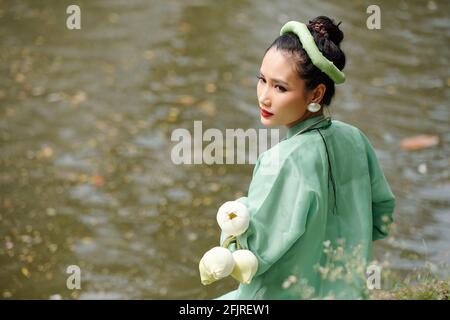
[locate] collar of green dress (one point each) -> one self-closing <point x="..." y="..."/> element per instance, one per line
<point x="308" y="122"/>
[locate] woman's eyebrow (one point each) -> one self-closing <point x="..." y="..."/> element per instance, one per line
<point x="276" y="80"/>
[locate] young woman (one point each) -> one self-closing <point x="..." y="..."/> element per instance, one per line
<point x="318" y="189"/>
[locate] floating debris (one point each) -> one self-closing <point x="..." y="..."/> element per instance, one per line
<point x="210" y="88"/>
<point x="185" y="27"/>
<point x="185" y="100"/>
<point x="78" y="98"/>
<point x="419" y="142"/>
<point x="208" y="107"/>
<point x="45" y="152"/>
<point x="422" y="168"/>
<point x="98" y="180"/>
<point x="25" y="272"/>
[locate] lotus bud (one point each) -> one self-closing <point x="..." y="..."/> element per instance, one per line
<point x="215" y="264"/>
<point x="233" y="218"/>
<point x="245" y="266"/>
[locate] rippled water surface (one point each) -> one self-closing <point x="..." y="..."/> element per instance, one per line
<point x="86" y="117"/>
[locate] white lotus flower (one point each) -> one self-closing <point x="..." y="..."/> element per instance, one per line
<point x="233" y="218"/>
<point x="245" y="266"/>
<point x="215" y="264"/>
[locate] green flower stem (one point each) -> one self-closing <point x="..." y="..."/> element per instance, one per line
<point x="230" y="240"/>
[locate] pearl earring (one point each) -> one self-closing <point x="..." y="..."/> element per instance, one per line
<point x="314" y="107"/>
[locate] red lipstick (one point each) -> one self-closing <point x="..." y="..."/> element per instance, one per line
<point x="266" y="114"/>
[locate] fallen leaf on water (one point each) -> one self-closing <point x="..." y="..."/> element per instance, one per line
<point x="185" y="27"/>
<point x="20" y="77"/>
<point x="208" y="107"/>
<point x="25" y="272"/>
<point x="210" y="87"/>
<point x="207" y="201"/>
<point x="173" y="115"/>
<point x="419" y="142"/>
<point x="98" y="180"/>
<point x="186" y="100"/>
<point x="79" y="97"/>
<point x="7" y="203"/>
<point x="45" y="152"/>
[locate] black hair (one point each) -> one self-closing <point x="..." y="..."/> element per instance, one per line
<point x="327" y="36"/>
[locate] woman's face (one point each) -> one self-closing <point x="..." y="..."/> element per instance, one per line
<point x="281" y="93"/>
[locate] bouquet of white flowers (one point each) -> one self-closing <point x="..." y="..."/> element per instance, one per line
<point x="220" y="262"/>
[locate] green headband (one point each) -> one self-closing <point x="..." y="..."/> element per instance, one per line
<point x="317" y="58"/>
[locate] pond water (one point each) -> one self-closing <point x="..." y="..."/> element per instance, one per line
<point x="86" y="118"/>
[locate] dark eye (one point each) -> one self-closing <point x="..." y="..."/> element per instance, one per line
<point x="280" y="88"/>
<point x="261" y="78"/>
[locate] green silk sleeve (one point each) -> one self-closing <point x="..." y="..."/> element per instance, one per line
<point x="383" y="200"/>
<point x="278" y="204"/>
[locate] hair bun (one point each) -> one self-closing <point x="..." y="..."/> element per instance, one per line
<point x="325" y="27"/>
